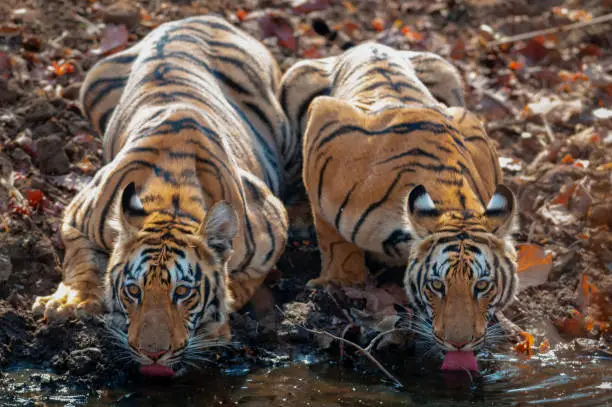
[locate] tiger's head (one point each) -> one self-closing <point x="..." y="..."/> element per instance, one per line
<point x="461" y="269"/>
<point x="166" y="284"/>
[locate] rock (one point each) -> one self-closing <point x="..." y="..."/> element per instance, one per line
<point x="21" y="159"/>
<point x="46" y="129"/>
<point x="122" y="13"/>
<point x="601" y="214"/>
<point x="71" y="92"/>
<point x="8" y="94"/>
<point x="52" y="158"/>
<point x="83" y="361"/>
<point x="38" y="111"/>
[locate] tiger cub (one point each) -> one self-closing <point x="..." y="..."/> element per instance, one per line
<point x="391" y="171"/>
<point x="182" y="223"/>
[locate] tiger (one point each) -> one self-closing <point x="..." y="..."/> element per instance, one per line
<point x="184" y="220"/>
<point x="398" y="170"/>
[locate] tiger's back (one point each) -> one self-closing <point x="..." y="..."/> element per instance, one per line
<point x="382" y="116"/>
<point x="233" y="74"/>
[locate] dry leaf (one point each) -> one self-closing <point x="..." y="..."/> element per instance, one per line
<point x="114" y="39"/>
<point x="525" y="346"/>
<point x="274" y="24"/>
<point x="378" y="25"/>
<point x="307" y="6"/>
<point x="534" y="265"/>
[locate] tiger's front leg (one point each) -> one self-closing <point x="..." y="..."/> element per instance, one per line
<point x="342" y="262"/>
<point x="244" y="286"/>
<point x="81" y="291"/>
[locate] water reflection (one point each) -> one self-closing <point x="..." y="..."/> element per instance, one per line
<point x="505" y="380"/>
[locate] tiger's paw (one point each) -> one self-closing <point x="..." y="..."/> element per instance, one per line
<point x="345" y="281"/>
<point x="67" y="303"/>
<point x="318" y="282"/>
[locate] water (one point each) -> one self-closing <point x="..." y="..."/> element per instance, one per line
<point x="504" y="381"/>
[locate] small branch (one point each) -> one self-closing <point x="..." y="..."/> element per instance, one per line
<point x="554" y="30"/>
<point x="365" y="352"/>
<point x="549" y="132"/>
<point x="508" y="325"/>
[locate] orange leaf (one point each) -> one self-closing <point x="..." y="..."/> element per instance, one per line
<point x="62" y="69"/>
<point x="568" y="159"/>
<point x="411" y="35"/>
<point x="349" y="27"/>
<point x="349" y="6"/>
<point x="35" y="198"/>
<point x="588" y="289"/>
<point x="312" y="52"/>
<point x="515" y="65"/>
<point x="544" y="346"/>
<point x="459" y="50"/>
<point x="534" y="265"/>
<point x="565" y="195"/>
<point x="378" y="25"/>
<point x="526" y="344"/>
<point x="241" y="14"/>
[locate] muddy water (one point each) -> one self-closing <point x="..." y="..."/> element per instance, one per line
<point x="504" y="380"/>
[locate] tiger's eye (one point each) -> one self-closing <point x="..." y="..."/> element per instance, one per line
<point x="437" y="285"/>
<point x="134" y="290"/>
<point x="482" y="285"/>
<point x="182" y="291"/>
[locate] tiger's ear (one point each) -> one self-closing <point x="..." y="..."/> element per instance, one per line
<point x="501" y="212"/>
<point x="220" y="227"/>
<point x="422" y="211"/>
<point x="131" y="211"/>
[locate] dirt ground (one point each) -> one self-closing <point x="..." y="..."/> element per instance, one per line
<point x="543" y="100"/>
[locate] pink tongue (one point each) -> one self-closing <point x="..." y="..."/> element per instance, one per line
<point x="460" y="361"/>
<point x="156" y="370"/>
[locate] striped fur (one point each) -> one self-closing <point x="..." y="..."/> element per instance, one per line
<point x="394" y="166"/>
<point x="190" y="120"/>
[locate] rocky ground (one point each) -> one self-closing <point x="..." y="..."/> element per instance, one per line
<point x="543" y="99"/>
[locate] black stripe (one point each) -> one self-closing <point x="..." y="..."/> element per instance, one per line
<point x="378" y="203"/>
<point x="342" y="206"/>
<point x="321" y="174"/>
<point x="414" y="152"/>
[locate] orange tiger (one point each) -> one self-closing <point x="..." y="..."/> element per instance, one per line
<point x="395" y="167"/>
<point x="182" y="223"/>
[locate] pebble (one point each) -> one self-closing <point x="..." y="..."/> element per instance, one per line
<point x="38" y="111"/>
<point x="122" y="13"/>
<point x="52" y="158"/>
<point x="71" y="92"/>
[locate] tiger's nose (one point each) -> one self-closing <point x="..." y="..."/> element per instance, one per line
<point x="155" y="355"/>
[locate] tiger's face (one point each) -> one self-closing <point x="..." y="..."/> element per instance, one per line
<point x="461" y="270"/>
<point x="166" y="286"/>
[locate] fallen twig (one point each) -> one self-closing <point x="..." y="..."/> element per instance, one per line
<point x="549" y="132"/>
<point x="365" y="351"/>
<point x="508" y="325"/>
<point x="554" y="30"/>
<point x="359" y="348"/>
